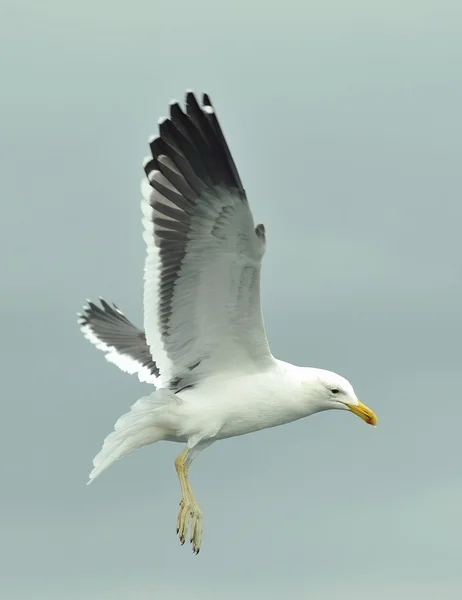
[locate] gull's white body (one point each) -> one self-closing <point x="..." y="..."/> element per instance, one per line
<point x="204" y="346"/>
<point x="222" y="406"/>
<point x="248" y="403"/>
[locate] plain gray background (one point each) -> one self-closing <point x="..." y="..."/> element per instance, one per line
<point x="344" y="120"/>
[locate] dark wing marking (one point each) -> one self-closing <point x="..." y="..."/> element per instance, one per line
<point x="202" y="273"/>
<point x="123" y="344"/>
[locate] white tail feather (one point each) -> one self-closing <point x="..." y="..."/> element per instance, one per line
<point x="133" y="430"/>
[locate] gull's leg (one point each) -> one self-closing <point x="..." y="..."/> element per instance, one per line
<point x="190" y="513"/>
<point x="184" y="515"/>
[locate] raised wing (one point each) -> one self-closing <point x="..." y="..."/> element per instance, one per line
<point x="202" y="313"/>
<point x="122" y="343"/>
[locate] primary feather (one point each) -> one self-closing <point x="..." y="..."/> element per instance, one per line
<point x="202" y="271"/>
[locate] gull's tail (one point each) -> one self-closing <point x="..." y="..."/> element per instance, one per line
<point x="133" y="430"/>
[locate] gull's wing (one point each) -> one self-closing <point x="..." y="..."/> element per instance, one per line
<point x="122" y="343"/>
<point x="202" y="313"/>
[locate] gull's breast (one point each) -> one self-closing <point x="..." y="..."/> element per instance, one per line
<point x="243" y="404"/>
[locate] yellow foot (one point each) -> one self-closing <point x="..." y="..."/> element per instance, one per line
<point x="190" y="517"/>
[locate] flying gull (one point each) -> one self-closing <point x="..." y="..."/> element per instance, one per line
<point x="204" y="345"/>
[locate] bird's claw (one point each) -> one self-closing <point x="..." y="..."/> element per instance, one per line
<point x="190" y="517"/>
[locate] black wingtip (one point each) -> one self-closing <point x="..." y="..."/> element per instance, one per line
<point x="193" y="140"/>
<point x="190" y="94"/>
<point x="206" y="100"/>
<point x="92" y="308"/>
<point x="176" y="111"/>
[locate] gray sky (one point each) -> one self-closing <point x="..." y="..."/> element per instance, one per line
<point x="344" y="120"/>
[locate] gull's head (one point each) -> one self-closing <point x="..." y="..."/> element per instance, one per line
<point x="335" y="392"/>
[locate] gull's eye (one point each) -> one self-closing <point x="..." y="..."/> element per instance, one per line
<point x="335" y="391"/>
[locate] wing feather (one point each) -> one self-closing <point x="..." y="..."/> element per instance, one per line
<point x="123" y="344"/>
<point x="202" y="311"/>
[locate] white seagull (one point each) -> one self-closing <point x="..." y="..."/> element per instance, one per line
<point x="204" y="345"/>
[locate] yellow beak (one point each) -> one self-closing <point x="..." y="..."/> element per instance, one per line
<point x="366" y="414"/>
